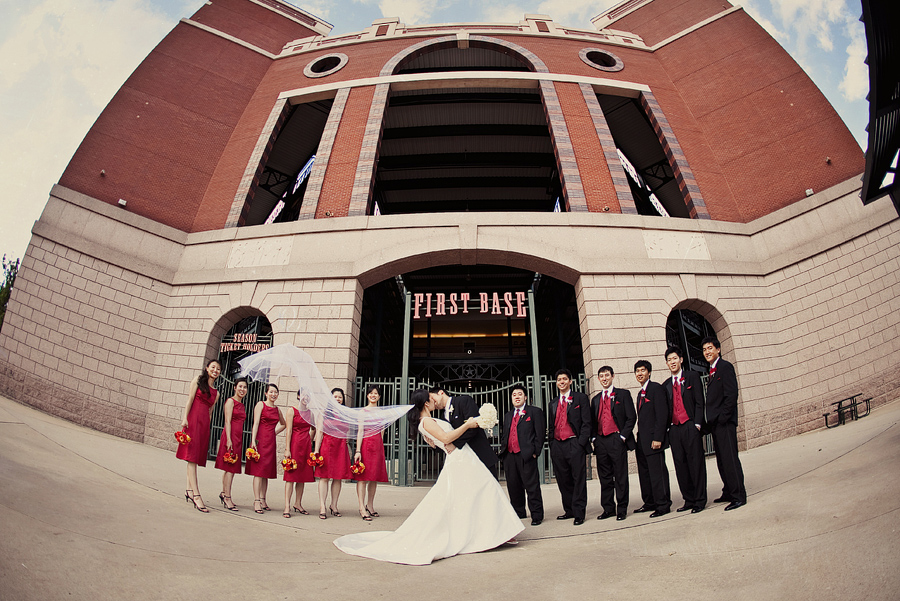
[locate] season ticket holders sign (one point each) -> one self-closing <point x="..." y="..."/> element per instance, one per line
<point x="440" y="304"/>
<point x="245" y="342"/>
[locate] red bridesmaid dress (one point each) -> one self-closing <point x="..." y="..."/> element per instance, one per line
<point x="265" y="445"/>
<point x="337" y="459"/>
<point x="198" y="428"/>
<point x="372" y="452"/>
<point x="301" y="447"/>
<point x="238" y="415"/>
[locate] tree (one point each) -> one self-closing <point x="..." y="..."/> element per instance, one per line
<point x="10" y="269"/>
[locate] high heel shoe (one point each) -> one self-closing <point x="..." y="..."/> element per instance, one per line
<point x="188" y="496"/>
<point x="374" y="514"/>
<point x="222" y="498"/>
<point x="334" y="512"/>
<point x="264" y="505"/>
<point x="300" y="510"/>
<point x="200" y="509"/>
<point x="365" y="516"/>
<point x="255" y="502"/>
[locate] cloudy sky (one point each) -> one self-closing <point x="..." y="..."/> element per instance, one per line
<point x="62" y="60"/>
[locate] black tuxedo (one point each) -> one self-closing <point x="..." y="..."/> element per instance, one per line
<point x="522" y="468"/>
<point x="653" y="424"/>
<point x="569" y="456"/>
<point x="721" y="415"/>
<point x="612" y="450"/>
<point x="462" y="408"/>
<point x="686" y="439"/>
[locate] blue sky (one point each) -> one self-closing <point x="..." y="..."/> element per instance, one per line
<point x="62" y="61"/>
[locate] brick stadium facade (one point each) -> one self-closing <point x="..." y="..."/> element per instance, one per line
<point x="115" y="308"/>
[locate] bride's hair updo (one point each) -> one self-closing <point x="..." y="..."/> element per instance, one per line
<point x="418" y="400"/>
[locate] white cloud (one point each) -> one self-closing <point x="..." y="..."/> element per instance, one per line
<point x="411" y="12"/>
<point x="62" y="62"/>
<point x="855" y="84"/>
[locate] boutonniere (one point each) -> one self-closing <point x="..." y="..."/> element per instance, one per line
<point x="450" y="408"/>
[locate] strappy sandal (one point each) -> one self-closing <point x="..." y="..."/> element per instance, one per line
<point x="286" y="514"/>
<point x="255" y="501"/>
<point x="222" y="498"/>
<point x="335" y="512"/>
<point x="203" y="509"/>
<point x="365" y="517"/>
<point x="300" y="510"/>
<point x="323" y="516"/>
<point x="374" y="514"/>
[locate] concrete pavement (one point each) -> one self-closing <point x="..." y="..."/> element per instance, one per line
<point x="84" y="515"/>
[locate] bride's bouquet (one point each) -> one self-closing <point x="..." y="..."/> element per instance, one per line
<point x="487" y="417"/>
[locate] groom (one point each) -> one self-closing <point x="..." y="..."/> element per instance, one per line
<point x="457" y="410"/>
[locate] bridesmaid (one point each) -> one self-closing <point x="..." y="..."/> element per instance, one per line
<point x="370" y="450"/>
<point x="265" y="418"/>
<point x="195" y="422"/>
<point x="232" y="440"/>
<point x="297" y="445"/>
<point x="336" y="467"/>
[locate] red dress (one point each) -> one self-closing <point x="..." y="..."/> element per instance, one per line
<point x="265" y="445"/>
<point x="372" y="451"/>
<point x="337" y="459"/>
<point x="238" y="415"/>
<point x="198" y="428"/>
<point x="301" y="446"/>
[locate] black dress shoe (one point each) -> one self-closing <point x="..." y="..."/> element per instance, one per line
<point x="619" y="518"/>
<point x="658" y="513"/>
<point x="684" y="508"/>
<point x="722" y="499"/>
<point x="578" y="522"/>
<point x="697" y="509"/>
<point x="735" y="505"/>
<point x="643" y="509"/>
<point x="565" y="516"/>
<point x="536" y="522"/>
<point x="605" y="515"/>
<point x="522" y="517"/>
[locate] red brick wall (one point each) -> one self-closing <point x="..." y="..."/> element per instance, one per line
<point x="662" y="19"/>
<point x="595" y="176"/>
<point x="341" y="173"/>
<point x="252" y="23"/>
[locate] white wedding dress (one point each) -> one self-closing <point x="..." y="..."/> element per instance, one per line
<point x="465" y="511"/>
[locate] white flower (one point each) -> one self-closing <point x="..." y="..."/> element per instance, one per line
<point x="487" y="417"/>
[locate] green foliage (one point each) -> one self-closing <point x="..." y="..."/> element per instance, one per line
<point x="10" y="269"/>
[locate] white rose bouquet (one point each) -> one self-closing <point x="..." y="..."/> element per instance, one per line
<point x="487" y="417"/>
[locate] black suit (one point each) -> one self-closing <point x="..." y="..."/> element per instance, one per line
<point x="522" y="468"/>
<point x="721" y="415"/>
<point x="612" y="450"/>
<point x="462" y="408"/>
<point x="687" y="441"/>
<point x="569" y="456"/>
<point x="653" y="424"/>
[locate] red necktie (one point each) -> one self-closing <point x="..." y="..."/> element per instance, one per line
<point x="514" y="434"/>
<point x="712" y="372"/>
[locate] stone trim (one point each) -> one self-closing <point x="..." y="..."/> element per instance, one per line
<point x="243" y="198"/>
<point x="323" y="155"/>
<point x="573" y="191"/>
<point x="693" y="199"/>
<point x="618" y="63"/>
<point x="616" y="170"/>
<point x="364" y="181"/>
<point x="343" y="59"/>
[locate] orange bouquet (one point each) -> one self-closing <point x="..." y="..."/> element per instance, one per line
<point x="357" y="468"/>
<point x="289" y="465"/>
<point x="252" y="454"/>
<point x="230" y="457"/>
<point x="182" y="437"/>
<point x="315" y="460"/>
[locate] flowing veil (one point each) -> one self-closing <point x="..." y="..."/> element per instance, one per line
<point x="322" y="410"/>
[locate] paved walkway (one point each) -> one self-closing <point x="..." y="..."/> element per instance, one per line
<point x="84" y="515"/>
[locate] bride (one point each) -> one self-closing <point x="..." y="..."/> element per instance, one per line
<point x="465" y="511"/>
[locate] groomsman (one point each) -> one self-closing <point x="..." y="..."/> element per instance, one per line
<point x="569" y="433"/>
<point x="684" y="391"/>
<point x="721" y="416"/>
<point x="524" y="429"/>
<point x="612" y="425"/>
<point x="652" y="440"/>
